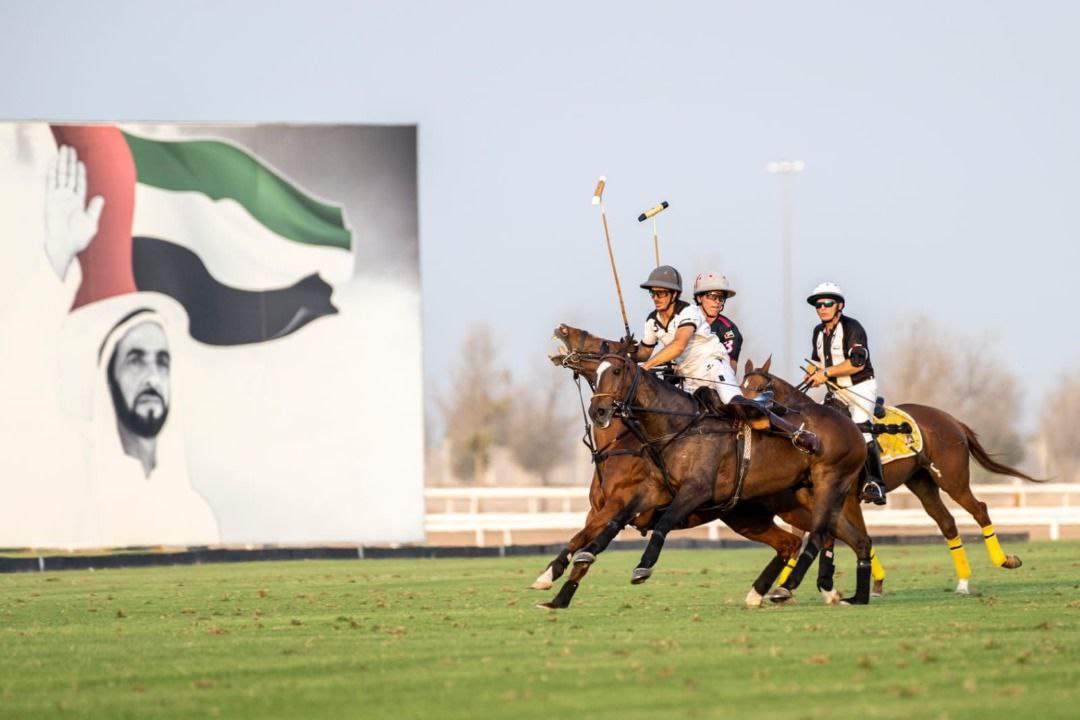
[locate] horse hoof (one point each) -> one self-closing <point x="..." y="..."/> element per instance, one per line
<point x="544" y="581"/>
<point x="753" y="599"/>
<point x="854" y="601"/>
<point x="831" y="597"/>
<point x="962" y="587"/>
<point x="1011" y="562"/>
<point x="640" y="575"/>
<point x="779" y="595"/>
<point x="545" y="606"/>
<point x="879" y="588"/>
<point x="584" y="558"/>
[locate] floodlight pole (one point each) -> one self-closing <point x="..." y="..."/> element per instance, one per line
<point x="785" y="169"/>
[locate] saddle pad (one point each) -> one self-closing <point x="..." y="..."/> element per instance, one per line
<point x="894" y="447"/>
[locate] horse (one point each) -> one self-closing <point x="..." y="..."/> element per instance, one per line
<point x="697" y="456"/>
<point x="754" y="520"/>
<point x="942" y="464"/>
<point x="621" y="467"/>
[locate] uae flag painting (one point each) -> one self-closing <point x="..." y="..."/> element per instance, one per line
<point x="192" y="355"/>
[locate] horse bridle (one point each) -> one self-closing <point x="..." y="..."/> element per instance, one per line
<point x="768" y="391"/>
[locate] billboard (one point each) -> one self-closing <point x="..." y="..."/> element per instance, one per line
<point x="212" y="335"/>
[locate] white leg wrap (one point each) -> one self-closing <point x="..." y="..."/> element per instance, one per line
<point x="962" y="587"/>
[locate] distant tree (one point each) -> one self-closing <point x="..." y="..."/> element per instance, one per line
<point x="541" y="429"/>
<point x="1058" y="421"/>
<point x="960" y="374"/>
<point x="474" y="408"/>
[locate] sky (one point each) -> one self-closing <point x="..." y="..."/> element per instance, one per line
<point x="941" y="142"/>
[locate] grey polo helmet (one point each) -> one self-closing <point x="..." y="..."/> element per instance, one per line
<point x="665" y="277"/>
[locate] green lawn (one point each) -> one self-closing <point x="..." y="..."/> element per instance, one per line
<point x="461" y="639"/>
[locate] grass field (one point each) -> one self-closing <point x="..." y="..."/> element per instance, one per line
<point x="461" y="639"/>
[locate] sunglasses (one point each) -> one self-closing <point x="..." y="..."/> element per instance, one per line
<point x="714" y="296"/>
<point x="824" y="303"/>
<point x="659" y="293"/>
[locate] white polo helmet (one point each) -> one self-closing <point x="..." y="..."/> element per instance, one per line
<point x="826" y="290"/>
<point x="708" y="282"/>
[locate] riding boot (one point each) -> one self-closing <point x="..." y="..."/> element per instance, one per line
<point x="801" y="438"/>
<point x="873" y="490"/>
<point x="711" y="399"/>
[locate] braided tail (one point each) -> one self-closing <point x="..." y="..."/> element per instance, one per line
<point x="987" y="461"/>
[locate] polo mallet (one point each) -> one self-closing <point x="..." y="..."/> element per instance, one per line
<point x="879" y="402"/>
<point x="652" y="213"/>
<point x="598" y="199"/>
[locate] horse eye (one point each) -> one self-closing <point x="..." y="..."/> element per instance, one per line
<point x="616" y="371"/>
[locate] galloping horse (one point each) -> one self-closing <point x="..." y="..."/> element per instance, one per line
<point x="620" y="465"/>
<point x="942" y="465"/>
<point x="697" y="455"/>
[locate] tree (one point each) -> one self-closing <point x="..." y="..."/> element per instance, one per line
<point x="474" y="409"/>
<point x="540" y="435"/>
<point x="1058" y="421"/>
<point x="962" y="375"/>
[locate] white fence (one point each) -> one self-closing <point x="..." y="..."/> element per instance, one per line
<point x="506" y="510"/>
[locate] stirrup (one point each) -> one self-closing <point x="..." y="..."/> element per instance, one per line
<point x="872" y="493"/>
<point x="805" y="441"/>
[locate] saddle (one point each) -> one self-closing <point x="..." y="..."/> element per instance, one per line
<point x="895" y="443"/>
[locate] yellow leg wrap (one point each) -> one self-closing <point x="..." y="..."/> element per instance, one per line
<point x="786" y="572"/>
<point x="877" y="570"/>
<point x="959" y="557"/>
<point x="997" y="555"/>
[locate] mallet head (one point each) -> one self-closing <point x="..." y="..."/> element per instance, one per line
<point x="654" y="210"/>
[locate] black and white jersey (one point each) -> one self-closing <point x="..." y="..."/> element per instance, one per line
<point x="833" y="349"/>
<point x="703" y="345"/>
<point x="729" y="335"/>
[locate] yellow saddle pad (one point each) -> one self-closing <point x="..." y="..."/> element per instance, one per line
<point x="894" y="447"/>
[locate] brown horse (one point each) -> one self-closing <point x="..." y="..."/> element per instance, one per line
<point x="621" y="467"/>
<point x="942" y="465"/>
<point x="697" y="455"/>
<point x="617" y="455"/>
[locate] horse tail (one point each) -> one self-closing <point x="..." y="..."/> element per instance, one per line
<point x="987" y="461"/>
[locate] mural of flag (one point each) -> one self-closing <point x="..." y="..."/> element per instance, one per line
<point x="240" y="247"/>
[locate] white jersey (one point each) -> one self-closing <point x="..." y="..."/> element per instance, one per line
<point x="704" y="348"/>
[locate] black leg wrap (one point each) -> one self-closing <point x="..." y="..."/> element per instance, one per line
<point x="652" y="551"/>
<point x="768" y="576"/>
<point x="809" y="554"/>
<point x="862" y="583"/>
<point x="825" y="571"/>
<point x="565" y="595"/>
<point x="560" y="563"/>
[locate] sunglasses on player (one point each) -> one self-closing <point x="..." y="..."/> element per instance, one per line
<point x="824" y="303"/>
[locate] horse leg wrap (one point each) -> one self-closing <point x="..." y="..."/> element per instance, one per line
<point x="997" y="555"/>
<point x="959" y="557"/>
<point x="825" y="571"/>
<point x="862" y="583"/>
<point x="876" y="568"/>
<point x="786" y="572"/>
<point x="559" y="564"/>
<point x="768" y="576"/>
<point x="565" y="595"/>
<point x="652" y="552"/>
<point x="809" y="554"/>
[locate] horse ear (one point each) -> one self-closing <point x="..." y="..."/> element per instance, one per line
<point x="749" y="366"/>
<point x="768" y="364"/>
